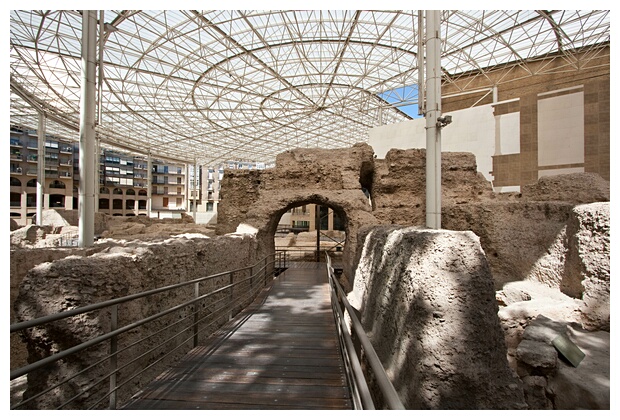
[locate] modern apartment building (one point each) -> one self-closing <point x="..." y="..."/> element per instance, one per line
<point x="303" y="218"/>
<point x="123" y="181"/>
<point x="60" y="188"/>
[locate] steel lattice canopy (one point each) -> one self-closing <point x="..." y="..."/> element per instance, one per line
<point x="246" y="85"/>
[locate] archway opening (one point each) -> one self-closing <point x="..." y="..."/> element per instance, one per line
<point x="307" y="230"/>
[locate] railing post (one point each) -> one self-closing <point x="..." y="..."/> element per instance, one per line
<point x="231" y="296"/>
<point x="251" y="280"/>
<point x="196" y="295"/>
<point x="113" y="358"/>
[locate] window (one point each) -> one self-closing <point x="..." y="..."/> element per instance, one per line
<point x="130" y="192"/>
<point x="142" y="192"/>
<point x="104" y="203"/>
<point x="57" y="184"/>
<point x="57" y="200"/>
<point x="16" y="199"/>
<point x="31" y="200"/>
<point x="179" y="180"/>
<point x="31" y="183"/>
<point x="209" y="206"/>
<point x="179" y="201"/>
<point x="117" y="204"/>
<point x="104" y="190"/>
<point x="130" y="204"/>
<point x="117" y="191"/>
<point x="15" y="182"/>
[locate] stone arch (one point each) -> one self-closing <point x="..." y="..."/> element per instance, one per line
<point x="335" y="178"/>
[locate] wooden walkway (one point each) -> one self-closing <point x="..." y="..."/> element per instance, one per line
<point x="280" y="353"/>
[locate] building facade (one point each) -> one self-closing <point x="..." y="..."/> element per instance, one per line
<point x="123" y="181"/>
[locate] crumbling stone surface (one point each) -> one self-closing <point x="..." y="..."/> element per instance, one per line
<point x="587" y="274"/>
<point x="334" y="178"/>
<point x="399" y="185"/>
<point x="576" y="188"/>
<point x="550" y="381"/>
<point x="118" y="268"/>
<point x="428" y="304"/>
<point x="522" y="240"/>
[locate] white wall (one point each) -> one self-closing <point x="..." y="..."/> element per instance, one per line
<point x="561" y="131"/>
<point x="472" y="130"/>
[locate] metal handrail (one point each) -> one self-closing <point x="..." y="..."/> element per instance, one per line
<point x="358" y="383"/>
<point x="217" y="311"/>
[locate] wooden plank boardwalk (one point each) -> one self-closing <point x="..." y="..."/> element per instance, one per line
<point x="279" y="353"/>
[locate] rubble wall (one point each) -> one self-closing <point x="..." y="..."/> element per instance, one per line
<point x="428" y="304"/>
<point x="119" y="269"/>
<point x="399" y="185"/>
<point x="334" y="178"/>
<point x="587" y="274"/>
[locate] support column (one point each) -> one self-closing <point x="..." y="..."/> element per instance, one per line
<point x="433" y="112"/>
<point x="187" y="189"/>
<point x="149" y="177"/>
<point x="40" y="169"/>
<point x="87" y="130"/>
<point x="195" y="189"/>
<point x="96" y="176"/>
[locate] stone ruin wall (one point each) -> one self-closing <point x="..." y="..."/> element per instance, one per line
<point x="336" y="178"/>
<point x="110" y="270"/>
<point x="427" y="301"/>
<point x="301" y="176"/>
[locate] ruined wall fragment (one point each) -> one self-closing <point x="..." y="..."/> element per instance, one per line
<point x="428" y="304"/>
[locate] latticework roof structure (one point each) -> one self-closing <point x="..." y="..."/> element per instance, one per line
<point x="246" y="85"/>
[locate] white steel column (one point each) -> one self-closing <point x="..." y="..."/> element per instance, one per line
<point x="40" y="169"/>
<point x="187" y="197"/>
<point x="149" y="176"/>
<point x="433" y="112"/>
<point x="87" y="130"/>
<point x="195" y="191"/>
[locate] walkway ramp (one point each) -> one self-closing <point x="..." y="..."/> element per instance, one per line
<point x="281" y="352"/>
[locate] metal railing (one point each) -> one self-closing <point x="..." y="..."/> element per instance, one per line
<point x="133" y="344"/>
<point x="310" y="253"/>
<point x="362" y="398"/>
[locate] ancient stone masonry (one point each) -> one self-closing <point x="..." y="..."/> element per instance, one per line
<point x="302" y="176"/>
<point x="337" y="178"/>
<point x="399" y="185"/>
<point x="428" y="304"/>
<point x="114" y="269"/>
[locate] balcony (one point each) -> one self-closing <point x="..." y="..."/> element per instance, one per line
<point x="66" y="162"/>
<point x="16" y="170"/>
<point x="33" y="145"/>
<point x="16" y="143"/>
<point x="16" y="155"/>
<point x="66" y="149"/>
<point x="65" y="174"/>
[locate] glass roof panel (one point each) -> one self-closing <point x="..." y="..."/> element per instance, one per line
<point x="217" y="85"/>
